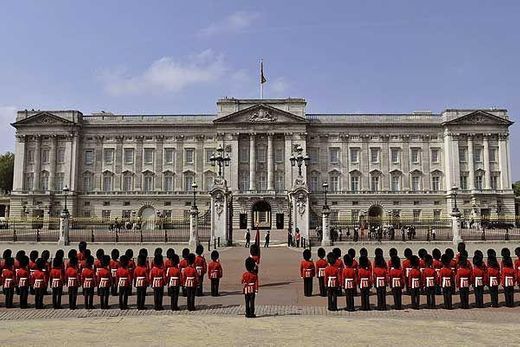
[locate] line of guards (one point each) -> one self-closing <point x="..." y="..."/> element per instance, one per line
<point x="417" y="275"/>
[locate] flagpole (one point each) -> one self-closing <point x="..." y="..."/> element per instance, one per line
<point x="261" y="76"/>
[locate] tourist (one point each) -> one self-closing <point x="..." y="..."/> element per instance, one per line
<point x="201" y="267"/>
<point x="397" y="280"/>
<point x="173" y="276"/>
<point x="307" y="272"/>
<point x="72" y="279"/>
<point x="321" y="264"/>
<point x="248" y="238"/>
<point x="190" y="281"/>
<point x="349" y="282"/>
<point x="250" y="287"/>
<point x="141" y="280"/>
<point x="214" y="273"/>
<point x="331" y="280"/>
<point x="157" y="276"/>
<point x="267" y="238"/>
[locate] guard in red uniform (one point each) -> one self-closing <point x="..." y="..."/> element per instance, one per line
<point x="429" y="281"/>
<point x="407" y="266"/>
<point x="332" y="282"/>
<point x="82" y="247"/>
<point x="72" y="279"/>
<point x="141" y="281"/>
<point x="173" y="276"/>
<point x="250" y="287"/>
<point x="365" y="282"/>
<point x="391" y="253"/>
<point x="104" y="281"/>
<point x="508" y="281"/>
<point x="39" y="284"/>
<point x="363" y="252"/>
<point x="339" y="265"/>
<point x="307" y="272"/>
<point x="397" y="280"/>
<point x="437" y="265"/>
<point x="182" y="266"/>
<point x="214" y="273"/>
<point x="190" y="281"/>
<point x="355" y="264"/>
<point x="88" y="281"/>
<point x="478" y="273"/>
<point x="8" y="281"/>
<point x="100" y="253"/>
<point x="380" y="281"/>
<point x="254" y="252"/>
<point x="114" y="264"/>
<point x="57" y="279"/>
<point x="349" y="282"/>
<point x="157" y="279"/>
<point x="463" y="279"/>
<point x="47" y="269"/>
<point x="493" y="275"/>
<point x="131" y="267"/>
<point x="33" y="256"/>
<point x="201" y="267"/>
<point x="517" y="264"/>
<point x="414" y="282"/>
<point x="446" y="279"/>
<point x="321" y="264"/>
<point x="22" y="279"/>
<point x="168" y="262"/>
<point x="124" y="281"/>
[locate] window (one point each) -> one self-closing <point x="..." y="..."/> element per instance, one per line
<point x="108" y="155"/>
<point x="208" y="182"/>
<point x="125" y="214"/>
<point x="436" y="183"/>
<point x="106" y="203"/>
<point x="86" y="213"/>
<point x="44" y="181"/>
<point x="105" y="216"/>
<point x="188" y="181"/>
<point x="464" y="181"/>
<point x="416" y="216"/>
<point x="244" y="181"/>
<point x="478" y="182"/>
<point x="493" y="155"/>
<point x="279" y="181"/>
<point x="394" y="153"/>
<point x="415" y="155"/>
<point x="60" y="177"/>
<point x="189" y="155"/>
<point x="334" y="183"/>
<point x="416" y="183"/>
<point x="61" y="155"/>
<point x="262" y="154"/>
<point x="334" y="155"/>
<point x="128" y="183"/>
<point x="435" y="155"/>
<point x="148" y="183"/>
<point x="354" y="155"/>
<point x="28" y="181"/>
<point x="45" y="156"/>
<point x="169" y="154"/>
<point x="436" y="215"/>
<point x="396" y="183"/>
<point x="107" y="183"/>
<point x="494" y="180"/>
<point x="354" y="183"/>
<point x="262" y="181"/>
<point x="477" y="155"/>
<point x="209" y="152"/>
<point x="278" y="155"/>
<point x="87" y="183"/>
<point x="313" y="183"/>
<point x="129" y="155"/>
<point x="168" y="183"/>
<point x="374" y="183"/>
<point x="148" y="155"/>
<point x="313" y="155"/>
<point x="244" y="154"/>
<point x="89" y="157"/>
<point x="462" y="154"/>
<point x="30" y="156"/>
<point x="354" y="215"/>
<point x="374" y="155"/>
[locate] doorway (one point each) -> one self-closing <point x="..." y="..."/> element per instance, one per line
<point x="148" y="219"/>
<point x="261" y="215"/>
<point x="375" y="215"/>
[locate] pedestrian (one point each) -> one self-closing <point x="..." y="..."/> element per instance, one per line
<point x="379" y="280"/>
<point x="297" y="236"/>
<point x="113" y="265"/>
<point x="289" y="238"/>
<point x="124" y="281"/>
<point x="190" y="279"/>
<point x="508" y="279"/>
<point x="250" y="287"/>
<point x="56" y="276"/>
<point x="173" y="276"/>
<point x="356" y="235"/>
<point x="88" y="280"/>
<point x="414" y="282"/>
<point x="22" y="279"/>
<point x="429" y="279"/>
<point x="365" y="282"/>
<point x="39" y="283"/>
<point x="201" y="267"/>
<point x="215" y="273"/>
<point x="267" y="237"/>
<point x="349" y="282"/>
<point x="8" y="281"/>
<point x="157" y="277"/>
<point x="248" y="238"/>
<point x="397" y="280"/>
<point x="307" y="272"/>
<point x="72" y="279"/>
<point x="141" y="280"/>
<point x="331" y="280"/>
<point x="446" y="279"/>
<point x="321" y="264"/>
<point x="478" y="274"/>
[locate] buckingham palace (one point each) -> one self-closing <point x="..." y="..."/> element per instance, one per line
<point x="382" y="166"/>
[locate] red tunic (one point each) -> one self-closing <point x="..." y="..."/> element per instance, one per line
<point x="479" y="276"/>
<point x="8" y="277"/>
<point x="493" y="275"/>
<point x="88" y="278"/>
<point x="201" y="266"/>
<point x="364" y="278"/>
<point x="173" y="276"/>
<point x="339" y="265"/>
<point x="321" y="264"/>
<point x="331" y="276"/>
<point x="379" y="277"/>
<point x="396" y="278"/>
<point x="429" y="277"/>
<point x="406" y="265"/>
<point x="104" y="277"/>
<point x="508" y="277"/>
<point x="249" y="283"/>
<point x="72" y="276"/>
<point x="113" y="265"/>
<point x="414" y="278"/>
<point x="22" y="277"/>
<point x="215" y="270"/>
<point x="349" y="276"/>
<point x="190" y="277"/>
<point x="446" y="277"/>
<point x="517" y="267"/>
<point x="56" y="277"/>
<point x="141" y="276"/>
<point x="307" y="269"/>
<point x="124" y="277"/>
<point x="38" y="279"/>
<point x="157" y="277"/>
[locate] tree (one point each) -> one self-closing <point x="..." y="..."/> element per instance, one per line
<point x="516" y="188"/>
<point x="6" y="171"/>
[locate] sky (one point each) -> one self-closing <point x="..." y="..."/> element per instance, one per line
<point x="170" y="57"/>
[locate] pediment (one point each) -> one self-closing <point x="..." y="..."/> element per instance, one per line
<point x="261" y="114"/>
<point x="43" y="119"/>
<point x="479" y="117"/>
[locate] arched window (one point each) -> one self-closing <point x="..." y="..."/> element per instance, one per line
<point x="169" y="182"/>
<point x="108" y="180"/>
<point x="128" y="181"/>
<point x="148" y="181"/>
<point x="395" y="181"/>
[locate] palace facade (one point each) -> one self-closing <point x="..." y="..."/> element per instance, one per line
<point x="385" y="166"/>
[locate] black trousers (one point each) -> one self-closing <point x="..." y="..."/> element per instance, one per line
<point x="56" y="297"/>
<point x="415" y="295"/>
<point x="430" y="297"/>
<point x="332" y="295"/>
<point x="321" y="282"/>
<point x="365" y="299"/>
<point x="88" y="293"/>
<point x="447" y="293"/>
<point x="479" y="296"/>
<point x="174" y="297"/>
<point x="214" y="286"/>
<point x="464" y="297"/>
<point x="158" y="294"/>
<point x="200" y="289"/>
<point x="349" y="299"/>
<point x="113" y="288"/>
<point x="38" y="297"/>
<point x="381" y="298"/>
<point x="141" y="297"/>
<point x="123" y="297"/>
<point x="9" y="295"/>
<point x="104" y="293"/>
<point x="73" y="297"/>
<point x="397" y="293"/>
<point x="509" y="295"/>
<point x="190" y="293"/>
<point x="493" y="292"/>
<point x="250" y="304"/>
<point x="24" y="294"/>
<point x="307" y="286"/>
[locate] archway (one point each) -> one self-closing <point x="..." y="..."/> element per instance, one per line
<point x="261" y="214"/>
<point x="148" y="218"/>
<point x="375" y="215"/>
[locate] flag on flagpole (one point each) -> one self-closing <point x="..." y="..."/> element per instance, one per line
<point x="262" y="76"/>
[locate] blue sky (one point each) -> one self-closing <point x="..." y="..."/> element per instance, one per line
<point x="181" y="56"/>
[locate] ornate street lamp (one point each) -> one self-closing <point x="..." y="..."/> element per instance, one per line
<point x="454" y="190"/>
<point x="299" y="159"/>
<point x="325" y="189"/>
<point x="66" y="191"/>
<point x="194" y="188"/>
<point x="219" y="159"/>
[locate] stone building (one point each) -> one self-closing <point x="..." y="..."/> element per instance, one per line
<point x="387" y="167"/>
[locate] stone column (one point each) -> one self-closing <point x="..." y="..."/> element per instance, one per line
<point x="455" y="227"/>
<point x="194" y="227"/>
<point x="139" y="163"/>
<point x="37" y="163"/>
<point x="19" y="164"/>
<point x="485" y="158"/>
<point x="118" y="160"/>
<point x="64" y="229"/>
<point x="405" y="162"/>
<point x="325" y="241"/>
<point x="72" y="156"/>
<point x="252" y="162"/>
<point x="502" y="161"/>
<point x="288" y="168"/>
<point x="270" y="162"/>
<point x="159" y="156"/>
<point x="52" y="162"/>
<point x="471" y="164"/>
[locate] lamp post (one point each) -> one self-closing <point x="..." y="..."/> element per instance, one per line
<point x="66" y="191"/>
<point x="64" y="221"/>
<point x="454" y="190"/>
<point x="325" y="190"/>
<point x="194" y="214"/>
<point x="325" y="215"/>
<point x="194" y="187"/>
<point x="218" y="158"/>
<point x="299" y="159"/>
<point x="455" y="218"/>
